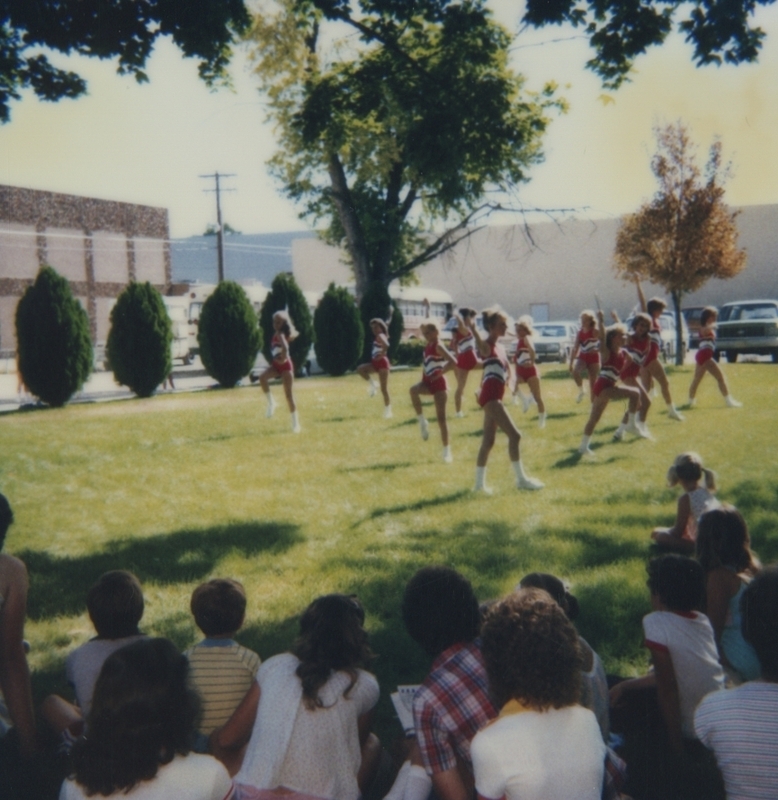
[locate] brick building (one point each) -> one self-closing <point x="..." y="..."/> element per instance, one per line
<point x="98" y="245"/>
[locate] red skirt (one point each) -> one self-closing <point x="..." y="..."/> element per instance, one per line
<point x="436" y="384"/>
<point x="704" y="355"/>
<point x="601" y="384"/>
<point x="283" y="366"/>
<point x="589" y="358"/>
<point x="525" y="373"/>
<point x="491" y="389"/>
<point x="653" y="354"/>
<point x="382" y="362"/>
<point x="467" y="360"/>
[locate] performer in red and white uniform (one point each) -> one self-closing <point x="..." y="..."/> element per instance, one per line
<point x="605" y="387"/>
<point x="281" y="366"/>
<point x="637" y="348"/>
<point x="585" y="357"/>
<point x="379" y="363"/>
<point x="465" y="347"/>
<point x="437" y="360"/>
<point x="495" y="376"/>
<point x="705" y="361"/>
<point x="526" y="371"/>
<point x="653" y="367"/>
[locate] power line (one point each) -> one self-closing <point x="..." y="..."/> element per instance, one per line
<point x="219" y="231"/>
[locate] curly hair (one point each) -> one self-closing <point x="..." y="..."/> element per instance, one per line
<point x="759" y="606"/>
<point x="219" y="606"/>
<point x="331" y="639"/>
<point x="707" y="313"/>
<point x="655" y="304"/>
<point x="143" y="715"/>
<point x="531" y="652"/>
<point x="613" y="330"/>
<point x="723" y="541"/>
<point x="440" y="609"/>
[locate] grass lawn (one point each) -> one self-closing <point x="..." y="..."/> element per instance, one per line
<point x="180" y="488"/>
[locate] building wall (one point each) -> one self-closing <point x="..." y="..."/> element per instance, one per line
<point x="558" y="266"/>
<point x="98" y="245"/>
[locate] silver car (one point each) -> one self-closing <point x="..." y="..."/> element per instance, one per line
<point x="749" y="326"/>
<point x="554" y="341"/>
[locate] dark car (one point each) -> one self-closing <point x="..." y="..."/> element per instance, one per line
<point x="748" y="326"/>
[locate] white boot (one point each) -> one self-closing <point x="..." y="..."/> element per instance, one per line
<point x="619" y="432"/>
<point x="460" y="414"/>
<point x="584" y="449"/>
<point x="632" y="425"/>
<point x="425" y="428"/>
<point x="580" y="395"/>
<point x="388" y="411"/>
<point x="372" y="388"/>
<point x="480" y="481"/>
<point x="732" y="403"/>
<point x="447" y="457"/>
<point x="542" y="420"/>
<point x="673" y="413"/>
<point x="295" y="423"/>
<point x="271" y="405"/>
<point x="523" y="481"/>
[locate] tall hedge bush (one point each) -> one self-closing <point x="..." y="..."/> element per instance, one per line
<point x="52" y="339"/>
<point x="286" y="294"/>
<point x="228" y="334"/>
<point x="377" y="303"/>
<point x="138" y="345"/>
<point x="338" y="328"/>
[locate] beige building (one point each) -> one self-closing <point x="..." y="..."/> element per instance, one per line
<point x="557" y="272"/>
<point x="98" y="245"/>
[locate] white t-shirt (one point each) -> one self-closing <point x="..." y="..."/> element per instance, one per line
<point x="689" y="640"/>
<point x="550" y="755"/>
<point x="194" y="777"/>
<point x="741" y="727"/>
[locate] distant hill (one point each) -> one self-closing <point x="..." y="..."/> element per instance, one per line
<point x="260" y="256"/>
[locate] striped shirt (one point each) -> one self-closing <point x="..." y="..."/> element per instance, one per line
<point x="612" y="366"/>
<point x="708" y="339"/>
<point x="450" y="706"/>
<point x="433" y="362"/>
<point x="741" y="727"/>
<point x="221" y="671"/>
<point x="463" y="342"/>
<point x="589" y="341"/>
<point x="496" y="365"/>
<point x="523" y="356"/>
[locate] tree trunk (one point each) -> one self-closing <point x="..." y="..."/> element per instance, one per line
<point x="679" y="349"/>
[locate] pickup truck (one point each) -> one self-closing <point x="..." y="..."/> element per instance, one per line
<point x="748" y="326"/>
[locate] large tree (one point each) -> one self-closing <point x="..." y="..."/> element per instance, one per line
<point x="123" y="29"/>
<point x="686" y="234"/>
<point x="400" y="142"/>
<point x="621" y="30"/>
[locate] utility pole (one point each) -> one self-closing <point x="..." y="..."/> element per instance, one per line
<point x="219" y="231"/>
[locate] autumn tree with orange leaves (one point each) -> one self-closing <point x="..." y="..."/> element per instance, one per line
<point x="686" y="234"/>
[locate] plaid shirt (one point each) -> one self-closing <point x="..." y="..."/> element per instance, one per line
<point x="451" y="706"/>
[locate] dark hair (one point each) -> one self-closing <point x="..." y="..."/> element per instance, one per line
<point x="723" y="541"/>
<point x="466" y="312"/>
<point x="331" y="639"/>
<point x="707" y="313"/>
<point x="6" y="518"/>
<point x="678" y="581"/>
<point x="531" y="651"/>
<point x="759" y="607"/>
<point x="640" y="317"/>
<point x="115" y="604"/>
<point x="558" y="591"/>
<point x="655" y="304"/>
<point x="440" y="609"/>
<point x="143" y="715"/>
<point x="218" y="606"/>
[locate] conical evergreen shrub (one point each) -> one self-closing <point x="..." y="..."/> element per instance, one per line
<point x="285" y="294"/>
<point x="228" y="334"/>
<point x="52" y="339"/>
<point x="139" y="341"/>
<point x="338" y="328"/>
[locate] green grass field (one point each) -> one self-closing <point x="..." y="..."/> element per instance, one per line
<point x="180" y="488"/>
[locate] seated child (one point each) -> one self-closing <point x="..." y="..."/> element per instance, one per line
<point x="115" y="606"/>
<point x="220" y="670"/>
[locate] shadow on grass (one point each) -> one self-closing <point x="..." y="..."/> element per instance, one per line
<point x="563" y="415"/>
<point x="340" y="419"/>
<point x="429" y="502"/>
<point x="379" y="467"/>
<point x="575" y="458"/>
<point x="58" y="584"/>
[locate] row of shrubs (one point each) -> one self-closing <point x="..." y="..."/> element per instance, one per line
<point x="55" y="350"/>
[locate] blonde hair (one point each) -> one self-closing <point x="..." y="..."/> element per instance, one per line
<point x="288" y="328"/>
<point x="688" y="467"/>
<point x="381" y="323"/>
<point x="612" y="330"/>
<point x="489" y="316"/>
<point x="588" y="313"/>
<point x="429" y="327"/>
<point x="525" y="321"/>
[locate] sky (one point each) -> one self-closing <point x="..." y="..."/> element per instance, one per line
<point x="150" y="143"/>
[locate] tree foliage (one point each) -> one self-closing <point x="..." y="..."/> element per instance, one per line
<point x="228" y="334"/>
<point x="285" y="295"/>
<point x="126" y="29"/>
<point x="54" y="350"/>
<point x="376" y="302"/>
<point x="686" y="234"/>
<point x="338" y="328"/>
<point x="718" y="30"/>
<point x="418" y="126"/>
<point x="138" y="345"/>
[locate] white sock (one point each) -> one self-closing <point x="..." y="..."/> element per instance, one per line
<point x="519" y="470"/>
<point x="295" y="422"/>
<point x="447" y="457"/>
<point x="480" y="478"/>
<point x="542" y="420"/>
<point x="388" y="411"/>
<point x="418" y="785"/>
<point x="585" y="442"/>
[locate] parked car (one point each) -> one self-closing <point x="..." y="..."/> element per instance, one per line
<point x="692" y="317"/>
<point x="554" y="341"/>
<point x="748" y="326"/>
<point x="668" y="330"/>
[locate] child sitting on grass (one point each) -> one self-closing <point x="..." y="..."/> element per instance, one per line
<point x="220" y="670"/>
<point x="115" y="606"/>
